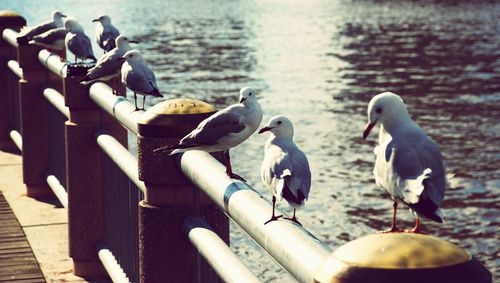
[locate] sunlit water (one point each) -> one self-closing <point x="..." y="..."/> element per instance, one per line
<point x="319" y="63"/>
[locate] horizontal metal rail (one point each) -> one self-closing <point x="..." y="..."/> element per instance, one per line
<point x="57" y="100"/>
<point x="14" y="67"/>
<point x="122" y="158"/>
<point x="58" y="189"/>
<point x="215" y="251"/>
<point x="17" y="139"/>
<point x="116" y="106"/>
<point x="297" y="250"/>
<point x="10" y="36"/>
<point x="112" y="267"/>
<point x="53" y="62"/>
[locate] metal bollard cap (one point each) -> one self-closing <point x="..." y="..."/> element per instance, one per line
<point x="166" y="118"/>
<point x="401" y="257"/>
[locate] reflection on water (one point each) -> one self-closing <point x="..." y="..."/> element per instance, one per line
<point x="319" y="62"/>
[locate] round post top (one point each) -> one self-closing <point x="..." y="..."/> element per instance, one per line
<point x="11" y="19"/>
<point x="401" y="257"/>
<point x="167" y="117"/>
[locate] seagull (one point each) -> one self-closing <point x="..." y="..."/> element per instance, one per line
<point x="408" y="162"/>
<point x="105" y="33"/>
<point x="223" y="130"/>
<point x="138" y="77"/>
<point x="52" y="39"/>
<point x="27" y="33"/>
<point x="285" y="169"/>
<point x="77" y="42"/>
<point x="109" y="66"/>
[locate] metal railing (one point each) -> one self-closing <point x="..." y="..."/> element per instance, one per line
<point x="125" y="193"/>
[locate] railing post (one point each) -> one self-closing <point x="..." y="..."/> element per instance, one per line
<point x="83" y="179"/>
<point x="13" y="21"/>
<point x="165" y="253"/>
<point x="34" y="123"/>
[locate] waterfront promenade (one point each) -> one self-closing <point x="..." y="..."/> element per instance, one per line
<point x="45" y="226"/>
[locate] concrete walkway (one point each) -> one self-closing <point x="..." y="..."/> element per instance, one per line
<point x="44" y="221"/>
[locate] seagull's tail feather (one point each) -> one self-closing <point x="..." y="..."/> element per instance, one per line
<point x="155" y="92"/>
<point x="437" y="216"/>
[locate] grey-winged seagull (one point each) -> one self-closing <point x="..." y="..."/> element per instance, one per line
<point x="109" y="66"/>
<point x="138" y="77"/>
<point x="77" y="41"/>
<point x="52" y="39"/>
<point x="225" y="129"/>
<point x="408" y="162"/>
<point x="27" y="33"/>
<point x="105" y="33"/>
<point x="285" y="169"/>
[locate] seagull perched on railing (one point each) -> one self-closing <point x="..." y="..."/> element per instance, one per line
<point x="109" y="66"/>
<point x="223" y="130"/>
<point x="105" y="33"/>
<point x="77" y="42"/>
<point x="285" y="169"/>
<point x="27" y="33"/>
<point x="138" y="77"/>
<point x="408" y="163"/>
<point x="52" y="39"/>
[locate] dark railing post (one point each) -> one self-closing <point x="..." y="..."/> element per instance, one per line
<point x="13" y="21"/>
<point x="165" y="253"/>
<point x="34" y="123"/>
<point x="83" y="179"/>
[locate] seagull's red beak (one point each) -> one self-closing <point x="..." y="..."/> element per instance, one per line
<point x="367" y="130"/>
<point x="265" y="129"/>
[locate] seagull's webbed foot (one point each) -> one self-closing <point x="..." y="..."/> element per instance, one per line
<point x="293" y="219"/>
<point x="235" y="176"/>
<point x="393" y="229"/>
<point x="273" y="218"/>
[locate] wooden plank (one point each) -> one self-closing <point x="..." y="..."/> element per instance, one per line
<point x="17" y="261"/>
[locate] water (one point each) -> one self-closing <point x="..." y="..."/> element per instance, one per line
<point x="319" y="63"/>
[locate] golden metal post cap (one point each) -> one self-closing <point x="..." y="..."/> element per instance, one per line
<point x="169" y="118"/>
<point x="401" y="257"/>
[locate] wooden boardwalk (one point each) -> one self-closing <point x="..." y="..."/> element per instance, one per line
<point x="17" y="261"/>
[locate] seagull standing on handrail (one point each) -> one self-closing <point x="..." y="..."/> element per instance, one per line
<point x="27" y="33"/>
<point x="105" y="33"/>
<point x="108" y="67"/>
<point x="77" y="42"/>
<point x="52" y="39"/>
<point x="285" y="169"/>
<point x="223" y="130"/>
<point x="408" y="162"/>
<point x="138" y="77"/>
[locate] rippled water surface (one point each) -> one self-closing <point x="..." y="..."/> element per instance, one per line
<point x="319" y="62"/>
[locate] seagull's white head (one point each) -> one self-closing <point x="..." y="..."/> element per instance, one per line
<point x="247" y="94"/>
<point x="72" y="25"/>
<point x="132" y="55"/>
<point x="123" y="41"/>
<point x="57" y="16"/>
<point x="103" y="19"/>
<point x="280" y="126"/>
<point x="383" y="107"/>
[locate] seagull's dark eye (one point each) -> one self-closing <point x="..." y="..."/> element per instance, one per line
<point x="378" y="110"/>
<point x="250" y="94"/>
<point x="279" y="123"/>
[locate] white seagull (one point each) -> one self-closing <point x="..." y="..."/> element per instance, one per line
<point x="105" y="33"/>
<point x="77" y="42"/>
<point x="27" y="33"/>
<point x="285" y="169"/>
<point x="138" y="77"/>
<point x="109" y="65"/>
<point x="51" y="39"/>
<point x="225" y="129"/>
<point x="408" y="162"/>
